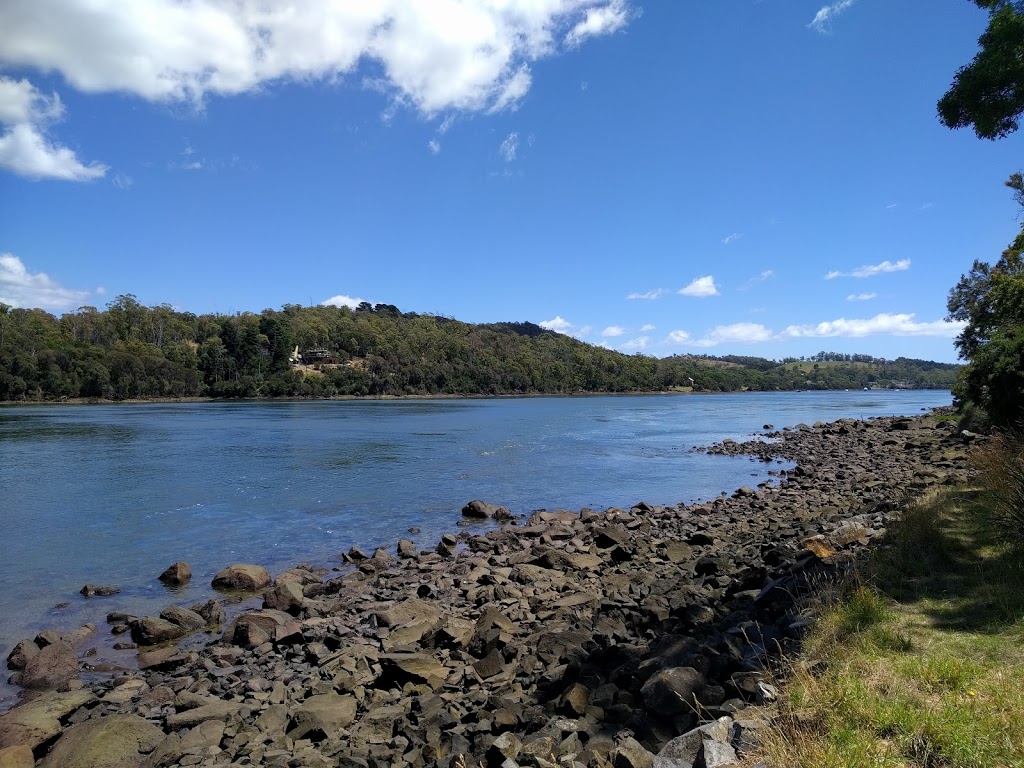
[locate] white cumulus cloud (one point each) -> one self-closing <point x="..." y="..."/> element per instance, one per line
<point x="902" y="324"/>
<point x="557" y="323"/>
<point x="21" y="288"/>
<point x="341" y="301"/>
<point x="870" y="270"/>
<point x="678" y="337"/>
<point x="701" y="288"/>
<point x="639" y="343"/>
<point x="613" y="330"/>
<point x="646" y="327"/>
<point x="735" y="333"/>
<point x="434" y="54"/>
<point x="429" y="55"/>
<point x="25" y="149"/>
<point x="861" y="296"/>
<point x="599" y="20"/>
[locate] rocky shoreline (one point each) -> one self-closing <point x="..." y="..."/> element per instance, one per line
<point x="633" y="637"/>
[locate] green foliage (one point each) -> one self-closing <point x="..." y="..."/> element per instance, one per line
<point x="132" y="351"/>
<point x="988" y="93"/>
<point x="990" y="300"/>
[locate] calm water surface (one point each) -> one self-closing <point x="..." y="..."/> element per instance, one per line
<point x="113" y="494"/>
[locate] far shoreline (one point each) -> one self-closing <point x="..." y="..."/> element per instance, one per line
<point x="461" y="396"/>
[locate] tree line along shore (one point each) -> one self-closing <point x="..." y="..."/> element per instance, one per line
<point x="129" y="351"/>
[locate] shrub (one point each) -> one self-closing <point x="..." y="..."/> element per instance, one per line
<point x="1000" y="463"/>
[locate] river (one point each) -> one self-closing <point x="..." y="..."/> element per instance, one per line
<point x="112" y="494"/>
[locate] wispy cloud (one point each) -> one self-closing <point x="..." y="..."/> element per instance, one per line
<point x="890" y="206"/>
<point x="657" y="293"/>
<point x="646" y="327"/>
<point x="21" y="288"/>
<point x="757" y="279"/>
<point x="925" y="206"/>
<point x="870" y="270"/>
<point x="639" y="343"/>
<point x="822" y="21"/>
<point x="701" y="288"/>
<point x="613" y="330"/>
<point x="729" y="239"/>
<point x="509" y="147"/>
<point x="434" y="146"/>
<point x="861" y="296"/>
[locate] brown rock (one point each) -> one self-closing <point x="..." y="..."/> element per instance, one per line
<point x="178" y="573"/>
<point x="220" y="710"/>
<point x="242" y="577"/>
<point x="671" y="691"/>
<point x="188" y="620"/>
<point x="19" y="756"/>
<point x="117" y="741"/>
<point x="91" y="590"/>
<point x="321" y="716"/>
<point x="39" y="720"/>
<point x="286" y="596"/>
<point x="53" y="667"/>
<point x="22" y="652"/>
<point x="152" y="630"/>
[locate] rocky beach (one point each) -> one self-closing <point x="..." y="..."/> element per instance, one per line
<point x="639" y="637"/>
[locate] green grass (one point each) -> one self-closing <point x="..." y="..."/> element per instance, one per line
<point x="923" y="660"/>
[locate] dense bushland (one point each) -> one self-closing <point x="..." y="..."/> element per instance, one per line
<point x="131" y="351"/>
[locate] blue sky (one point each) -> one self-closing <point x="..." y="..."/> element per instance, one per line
<point x="728" y="177"/>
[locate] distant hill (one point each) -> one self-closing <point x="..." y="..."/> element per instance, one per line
<point x="130" y="351"/>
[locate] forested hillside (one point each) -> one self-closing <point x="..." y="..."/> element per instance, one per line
<point x="131" y="351"/>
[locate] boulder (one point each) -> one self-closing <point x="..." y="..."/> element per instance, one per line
<point x="407" y="549"/>
<point x="321" y="716"/>
<point x="19" y="756"/>
<point x="242" y="577"/>
<point x="53" y="667"/>
<point x="671" y="691"/>
<point x="23" y="651"/>
<point x="78" y="636"/>
<point x="630" y="753"/>
<point x="254" y="628"/>
<point x="39" y="720"/>
<point x="178" y="573"/>
<point x="220" y="710"/>
<point x="286" y="596"/>
<point x="117" y="741"/>
<point x="152" y="630"/>
<point x="212" y="611"/>
<point x="481" y="510"/>
<point x="91" y="590"/>
<point x="187" y="619"/>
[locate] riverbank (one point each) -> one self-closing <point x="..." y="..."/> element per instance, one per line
<point x="602" y="635"/>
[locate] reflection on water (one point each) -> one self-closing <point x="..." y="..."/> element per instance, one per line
<point x="114" y="494"/>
